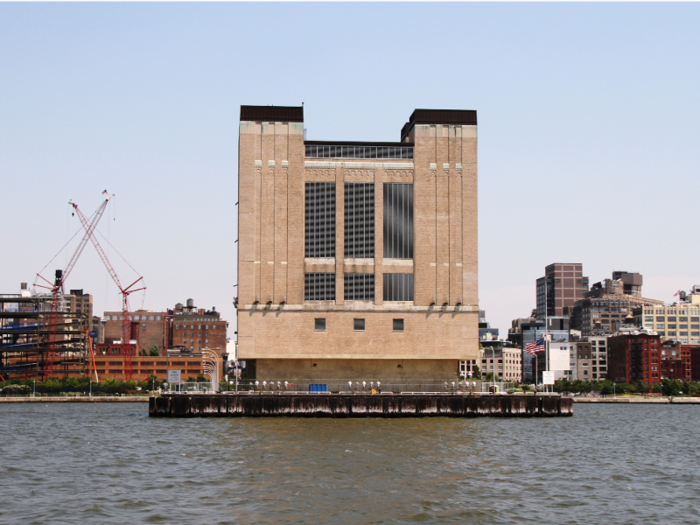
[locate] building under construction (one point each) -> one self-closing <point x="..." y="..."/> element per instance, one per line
<point x="30" y="347"/>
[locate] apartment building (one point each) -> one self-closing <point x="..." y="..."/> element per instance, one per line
<point x="357" y="259"/>
<point x="634" y="356"/>
<point x="589" y="359"/>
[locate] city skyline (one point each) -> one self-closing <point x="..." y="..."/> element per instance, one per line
<point x="585" y="111"/>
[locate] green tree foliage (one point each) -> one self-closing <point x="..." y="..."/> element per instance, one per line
<point x="476" y="372"/>
<point x="153" y="351"/>
<point x="671" y="387"/>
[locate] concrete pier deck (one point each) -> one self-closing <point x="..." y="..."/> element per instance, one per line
<point x="358" y="405"/>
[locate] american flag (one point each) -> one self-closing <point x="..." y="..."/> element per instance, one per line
<point x="533" y="348"/>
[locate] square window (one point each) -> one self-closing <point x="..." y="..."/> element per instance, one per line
<point x="359" y="325"/>
<point x="398" y="325"/>
<point x="320" y="325"/>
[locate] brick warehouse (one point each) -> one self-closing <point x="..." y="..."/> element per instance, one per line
<point x="357" y="260"/>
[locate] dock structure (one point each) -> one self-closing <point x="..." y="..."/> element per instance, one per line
<point x="358" y="405"/>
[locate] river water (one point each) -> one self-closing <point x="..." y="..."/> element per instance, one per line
<point x="110" y="463"/>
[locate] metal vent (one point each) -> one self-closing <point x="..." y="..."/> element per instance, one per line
<point x="398" y="287"/>
<point x="359" y="287"/>
<point x="398" y="220"/>
<point x="319" y="286"/>
<point x="359" y="220"/>
<point x="319" y="215"/>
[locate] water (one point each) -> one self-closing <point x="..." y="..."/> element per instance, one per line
<point x="110" y="463"/>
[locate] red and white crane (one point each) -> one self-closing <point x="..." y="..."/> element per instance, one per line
<point x="127" y="349"/>
<point x="57" y="286"/>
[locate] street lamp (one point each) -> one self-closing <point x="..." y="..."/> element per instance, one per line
<point x="91" y="387"/>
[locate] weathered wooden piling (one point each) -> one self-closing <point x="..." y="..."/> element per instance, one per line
<point x="358" y="405"/>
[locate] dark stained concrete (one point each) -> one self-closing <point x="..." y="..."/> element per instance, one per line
<point x="358" y="405"/>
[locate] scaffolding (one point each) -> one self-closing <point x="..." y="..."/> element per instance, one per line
<point x="25" y="333"/>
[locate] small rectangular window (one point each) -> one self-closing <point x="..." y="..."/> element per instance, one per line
<point x="359" y="325"/>
<point x="320" y="325"/>
<point x="398" y="325"/>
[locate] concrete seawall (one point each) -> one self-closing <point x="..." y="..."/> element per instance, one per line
<point x="360" y="405"/>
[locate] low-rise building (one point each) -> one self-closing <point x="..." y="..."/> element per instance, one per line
<point x="148" y="329"/>
<point x="496" y="357"/>
<point x="589" y="359"/>
<point x="556" y="358"/>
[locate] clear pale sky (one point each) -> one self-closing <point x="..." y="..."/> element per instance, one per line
<point x="588" y="131"/>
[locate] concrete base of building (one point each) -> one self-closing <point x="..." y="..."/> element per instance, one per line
<point x="347" y="405"/>
<point x="385" y="370"/>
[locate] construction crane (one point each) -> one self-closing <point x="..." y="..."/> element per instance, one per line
<point x="126" y="323"/>
<point x="57" y="288"/>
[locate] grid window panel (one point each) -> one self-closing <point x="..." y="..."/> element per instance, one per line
<point x="398" y="220"/>
<point x="398" y="287"/>
<point x="314" y="151"/>
<point x="359" y="220"/>
<point x="359" y="287"/>
<point x="319" y="219"/>
<point x="319" y="286"/>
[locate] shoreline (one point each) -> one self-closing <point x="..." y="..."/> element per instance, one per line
<point x="76" y="399"/>
<point x="640" y="400"/>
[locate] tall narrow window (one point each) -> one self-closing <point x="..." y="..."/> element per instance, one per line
<point x="398" y="287"/>
<point x="398" y="220"/>
<point x="319" y="286"/>
<point x="319" y="219"/>
<point x="359" y="287"/>
<point x="359" y="220"/>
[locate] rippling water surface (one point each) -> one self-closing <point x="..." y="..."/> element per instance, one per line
<point x="110" y="463"/>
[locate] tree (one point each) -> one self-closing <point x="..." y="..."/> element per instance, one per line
<point x="606" y="387"/>
<point x="671" y="387"/>
<point x="153" y="351"/>
<point x="476" y="373"/>
<point x="151" y="383"/>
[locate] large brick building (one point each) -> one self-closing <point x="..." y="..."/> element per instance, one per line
<point x="634" y="356"/>
<point x="357" y="259"/>
<point x="197" y="328"/>
<point x="148" y="329"/>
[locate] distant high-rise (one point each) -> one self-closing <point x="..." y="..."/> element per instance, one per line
<point x="562" y="285"/>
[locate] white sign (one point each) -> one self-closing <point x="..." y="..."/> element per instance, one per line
<point x="174" y="376"/>
<point x="547" y="378"/>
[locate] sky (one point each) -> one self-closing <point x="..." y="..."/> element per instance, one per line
<point x="588" y="132"/>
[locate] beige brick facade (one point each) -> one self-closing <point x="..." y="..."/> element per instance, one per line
<point x="277" y="327"/>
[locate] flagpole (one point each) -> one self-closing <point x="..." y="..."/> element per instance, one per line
<point x="546" y="345"/>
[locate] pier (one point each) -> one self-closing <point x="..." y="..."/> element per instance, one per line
<point x="358" y="405"/>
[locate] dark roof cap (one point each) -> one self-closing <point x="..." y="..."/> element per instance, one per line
<point x="272" y="113"/>
<point x="455" y="117"/>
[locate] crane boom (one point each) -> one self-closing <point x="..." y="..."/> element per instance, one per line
<point x="57" y="286"/>
<point x="126" y="324"/>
